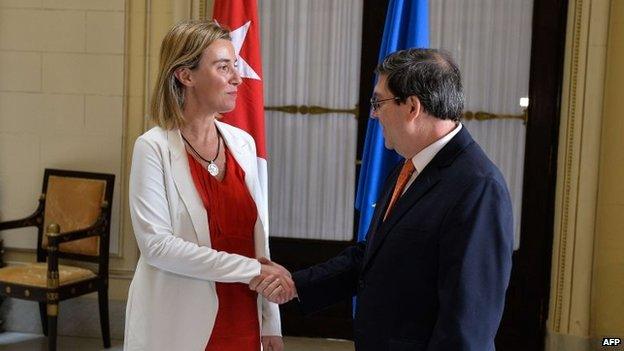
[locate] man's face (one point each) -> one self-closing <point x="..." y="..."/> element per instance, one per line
<point x="392" y="116"/>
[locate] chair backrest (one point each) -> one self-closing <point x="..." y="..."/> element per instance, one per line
<point x="73" y="200"/>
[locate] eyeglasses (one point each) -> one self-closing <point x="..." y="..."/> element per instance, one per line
<point x="376" y="103"/>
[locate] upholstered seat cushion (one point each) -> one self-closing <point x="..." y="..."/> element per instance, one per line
<point x="35" y="274"/>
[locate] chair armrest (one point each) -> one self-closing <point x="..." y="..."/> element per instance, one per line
<point x="34" y="220"/>
<point x="54" y="239"/>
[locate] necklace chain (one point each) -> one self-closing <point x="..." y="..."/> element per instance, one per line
<point x="197" y="153"/>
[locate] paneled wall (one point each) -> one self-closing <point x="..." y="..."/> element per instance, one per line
<point x="608" y="287"/>
<point x="61" y="99"/>
<point x="586" y="289"/>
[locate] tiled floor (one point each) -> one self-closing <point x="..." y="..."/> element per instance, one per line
<point x="34" y="342"/>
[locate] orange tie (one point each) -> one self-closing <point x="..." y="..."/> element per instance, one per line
<point x="404" y="176"/>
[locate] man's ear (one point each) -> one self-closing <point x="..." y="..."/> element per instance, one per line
<point x="183" y="75"/>
<point x="415" y="106"/>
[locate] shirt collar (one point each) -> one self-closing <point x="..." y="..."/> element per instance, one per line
<point x="422" y="159"/>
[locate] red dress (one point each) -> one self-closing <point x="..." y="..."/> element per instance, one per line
<point x="232" y="215"/>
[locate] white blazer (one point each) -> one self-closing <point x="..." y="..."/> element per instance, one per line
<point x="172" y="303"/>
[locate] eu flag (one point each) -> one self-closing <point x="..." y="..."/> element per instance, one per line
<point x="407" y="26"/>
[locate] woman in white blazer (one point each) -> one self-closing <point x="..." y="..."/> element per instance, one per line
<point x="173" y="301"/>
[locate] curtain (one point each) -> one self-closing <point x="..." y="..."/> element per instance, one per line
<point x="491" y="41"/>
<point x="311" y="57"/>
<point x="311" y="54"/>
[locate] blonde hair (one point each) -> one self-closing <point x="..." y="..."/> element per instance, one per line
<point x="182" y="47"/>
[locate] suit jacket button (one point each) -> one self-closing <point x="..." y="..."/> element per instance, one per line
<point x="361" y="284"/>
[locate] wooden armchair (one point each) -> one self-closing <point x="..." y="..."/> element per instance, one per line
<point x="75" y="209"/>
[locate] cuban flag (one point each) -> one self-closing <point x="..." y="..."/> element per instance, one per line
<point x="241" y="16"/>
<point x="407" y="26"/>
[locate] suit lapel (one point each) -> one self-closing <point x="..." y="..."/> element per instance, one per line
<point x="186" y="188"/>
<point x="242" y="151"/>
<point x="425" y="181"/>
<point x="380" y="208"/>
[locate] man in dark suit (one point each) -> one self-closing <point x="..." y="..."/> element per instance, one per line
<point x="433" y="272"/>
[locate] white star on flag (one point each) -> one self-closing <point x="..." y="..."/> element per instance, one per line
<point x="238" y="38"/>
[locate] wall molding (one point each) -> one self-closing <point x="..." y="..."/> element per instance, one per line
<point x="312" y="110"/>
<point x="321" y="110"/>
<point x="487" y="116"/>
<point x="565" y="198"/>
<point x="77" y="317"/>
<point x="578" y="165"/>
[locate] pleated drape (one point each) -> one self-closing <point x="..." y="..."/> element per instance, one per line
<point x="311" y="56"/>
<point x="491" y="41"/>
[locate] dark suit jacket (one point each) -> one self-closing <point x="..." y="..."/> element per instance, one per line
<point x="433" y="276"/>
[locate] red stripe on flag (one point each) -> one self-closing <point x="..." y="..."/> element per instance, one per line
<point x="249" y="112"/>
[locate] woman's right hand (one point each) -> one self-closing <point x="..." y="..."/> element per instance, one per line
<point x="274" y="282"/>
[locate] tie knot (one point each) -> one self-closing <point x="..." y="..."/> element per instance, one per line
<point x="408" y="167"/>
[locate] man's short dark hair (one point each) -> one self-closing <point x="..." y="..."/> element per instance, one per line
<point x="429" y="74"/>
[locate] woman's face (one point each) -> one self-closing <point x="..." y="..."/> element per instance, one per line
<point x="215" y="79"/>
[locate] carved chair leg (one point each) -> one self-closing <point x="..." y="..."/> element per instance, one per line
<point x="44" y="317"/>
<point x="103" y="302"/>
<point x="52" y="311"/>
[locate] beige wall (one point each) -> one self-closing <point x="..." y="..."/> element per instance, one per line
<point x="73" y="81"/>
<point x="586" y="301"/>
<point x="75" y="77"/>
<point x="62" y="102"/>
<point x="608" y="269"/>
<point x="61" y="88"/>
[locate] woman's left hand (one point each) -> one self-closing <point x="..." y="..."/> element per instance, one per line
<point x="272" y="343"/>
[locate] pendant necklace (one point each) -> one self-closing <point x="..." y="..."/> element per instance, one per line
<point x="213" y="169"/>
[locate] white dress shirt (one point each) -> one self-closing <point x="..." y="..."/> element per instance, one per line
<point x="422" y="159"/>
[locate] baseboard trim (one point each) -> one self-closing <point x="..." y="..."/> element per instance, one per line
<point x="77" y="317"/>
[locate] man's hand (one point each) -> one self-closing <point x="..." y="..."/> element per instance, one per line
<point x="274" y="282"/>
<point x="272" y="343"/>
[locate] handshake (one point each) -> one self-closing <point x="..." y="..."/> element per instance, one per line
<point x="274" y="282"/>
